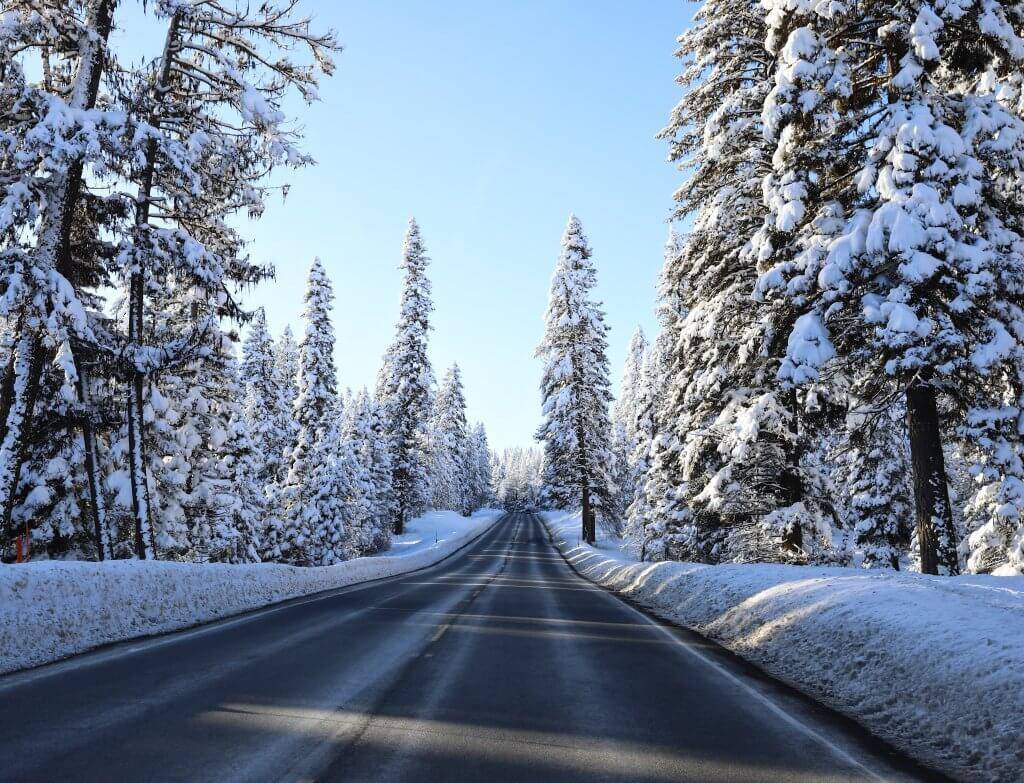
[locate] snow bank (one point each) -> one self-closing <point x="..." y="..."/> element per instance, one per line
<point x="934" y="665"/>
<point x="50" y="610"/>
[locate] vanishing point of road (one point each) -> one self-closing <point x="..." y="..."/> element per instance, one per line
<point x="498" y="664"/>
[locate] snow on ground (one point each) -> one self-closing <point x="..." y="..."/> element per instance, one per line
<point x="934" y="665"/>
<point x="53" y="609"/>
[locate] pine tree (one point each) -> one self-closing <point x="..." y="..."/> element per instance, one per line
<point x="247" y="500"/>
<point x="646" y="517"/>
<point x="625" y="428"/>
<point x="263" y="399"/>
<point x="308" y="510"/>
<point x="371" y="512"/>
<point x="517" y="476"/>
<point x="404" y="386"/>
<point x="50" y="141"/>
<point x="887" y="211"/>
<point x="130" y="175"/>
<point x="385" y="505"/>
<point x="731" y="476"/>
<point x="286" y="372"/>
<point x="576" y="431"/>
<point x="480" y="477"/>
<point x="221" y="78"/>
<point x="450" y="446"/>
<point x="877" y="491"/>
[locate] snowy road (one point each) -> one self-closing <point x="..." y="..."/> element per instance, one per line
<point x="499" y="664"/>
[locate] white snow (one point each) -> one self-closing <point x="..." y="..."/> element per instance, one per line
<point x="51" y="610"/>
<point x="933" y="665"/>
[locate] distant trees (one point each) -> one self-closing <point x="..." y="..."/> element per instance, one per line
<point x="517" y="476"/>
<point x="576" y="431"/>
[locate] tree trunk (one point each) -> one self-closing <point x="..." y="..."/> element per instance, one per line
<point x="935" y="532"/>
<point x="99" y="521"/>
<point x="589" y="518"/>
<point x="399" y="527"/>
<point x="791" y="481"/>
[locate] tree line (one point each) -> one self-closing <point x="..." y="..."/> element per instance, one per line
<point x="838" y="375"/>
<point x="128" y="426"/>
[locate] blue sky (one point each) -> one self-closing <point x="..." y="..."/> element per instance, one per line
<point x="490" y="122"/>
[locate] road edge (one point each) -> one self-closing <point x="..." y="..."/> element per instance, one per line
<point x="15" y="677"/>
<point x="900" y="757"/>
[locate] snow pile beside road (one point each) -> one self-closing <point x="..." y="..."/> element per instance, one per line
<point x="50" y="610"/>
<point x="934" y="665"/>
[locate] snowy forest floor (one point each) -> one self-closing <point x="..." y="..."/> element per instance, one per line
<point x="933" y="665"/>
<point x="50" y="610"/>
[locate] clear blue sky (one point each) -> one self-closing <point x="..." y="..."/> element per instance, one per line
<point x="490" y="123"/>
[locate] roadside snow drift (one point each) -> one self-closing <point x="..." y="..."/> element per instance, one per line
<point x="934" y="665"/>
<point x="50" y="610"/>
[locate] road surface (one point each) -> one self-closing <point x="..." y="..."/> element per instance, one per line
<point x="499" y="664"/>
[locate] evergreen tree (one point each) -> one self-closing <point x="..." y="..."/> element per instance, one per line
<point x="646" y="524"/>
<point x="384" y="505"/>
<point x="286" y="372"/>
<point x="730" y="477"/>
<point x="576" y="431"/>
<point x="450" y="446"/>
<point x="625" y="428"/>
<point x="372" y="505"/>
<point x="480" y="478"/>
<point x="229" y="98"/>
<point x="890" y="246"/>
<point x="128" y="175"/>
<point x="226" y="502"/>
<point x="309" y="506"/>
<point x="404" y="386"/>
<point x="877" y="491"/>
<point x="50" y="141"/>
<point x="263" y="399"/>
<point x="517" y="476"/>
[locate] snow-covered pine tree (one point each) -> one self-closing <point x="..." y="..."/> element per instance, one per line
<point x="875" y="484"/>
<point x="625" y="433"/>
<point x="310" y="514"/>
<point x="227" y="501"/>
<point x="371" y="514"/>
<point x="646" y="524"/>
<point x="726" y="479"/>
<point x="270" y="424"/>
<point x="404" y="386"/>
<point x="286" y="371"/>
<point x="450" y="446"/>
<point x="247" y="501"/>
<point x="576" y="431"/>
<point x="385" y="506"/>
<point x="890" y="236"/>
<point x="49" y="141"/>
<point x="212" y="130"/>
<point x="517" y="474"/>
<point x="357" y="445"/>
<point x="480" y="480"/>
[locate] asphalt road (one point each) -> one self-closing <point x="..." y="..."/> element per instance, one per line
<point x="499" y="664"/>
